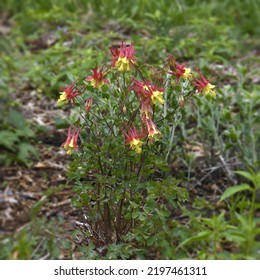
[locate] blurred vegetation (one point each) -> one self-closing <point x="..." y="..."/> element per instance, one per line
<point x="48" y="43"/>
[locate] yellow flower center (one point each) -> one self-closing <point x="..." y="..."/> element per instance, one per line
<point x="93" y="82"/>
<point x="62" y="100"/>
<point x="69" y="147"/>
<point x="209" y="90"/>
<point x="136" y="145"/>
<point x="69" y="150"/>
<point x="157" y="95"/>
<point x="96" y="83"/>
<point x="123" y="64"/>
<point x="153" y="133"/>
<point x="187" y="74"/>
<point x="71" y="144"/>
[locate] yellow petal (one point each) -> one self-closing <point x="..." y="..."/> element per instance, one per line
<point x="93" y="82"/>
<point x="123" y="64"/>
<point x="69" y="151"/>
<point x="136" y="145"/>
<point x="71" y="144"/>
<point x="209" y="90"/>
<point x="187" y="74"/>
<point x="138" y="150"/>
<point x="157" y="95"/>
<point x="62" y="98"/>
<point x="210" y="86"/>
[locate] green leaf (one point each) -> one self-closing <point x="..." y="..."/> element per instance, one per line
<point x="25" y="150"/>
<point x="233" y="190"/>
<point x="200" y="236"/>
<point x="243" y="221"/>
<point x="25" y="132"/>
<point x="16" y="118"/>
<point x="236" y="237"/>
<point x="8" y="139"/>
<point x="257" y="180"/>
<point x="247" y="175"/>
<point x="257" y="231"/>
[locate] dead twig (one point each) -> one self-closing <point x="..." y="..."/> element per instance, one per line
<point x="230" y="175"/>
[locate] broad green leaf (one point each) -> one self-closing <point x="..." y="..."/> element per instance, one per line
<point x="247" y="175"/>
<point x="200" y="236"/>
<point x="233" y="190"/>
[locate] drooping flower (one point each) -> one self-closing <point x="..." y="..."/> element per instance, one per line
<point x="97" y="78"/>
<point x="123" y="57"/>
<point x="88" y="104"/>
<point x="146" y="110"/>
<point x="68" y="93"/>
<point x="152" y="129"/>
<point x="146" y="90"/>
<point x="149" y="127"/>
<point x="133" y="139"/>
<point x="71" y="142"/>
<point x="204" y="86"/>
<point x="181" y="72"/>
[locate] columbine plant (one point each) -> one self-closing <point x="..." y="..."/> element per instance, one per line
<point x="125" y="115"/>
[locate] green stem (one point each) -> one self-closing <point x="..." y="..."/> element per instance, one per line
<point x="252" y="208"/>
<point x="142" y="160"/>
<point x="104" y="119"/>
<point x="140" y="72"/>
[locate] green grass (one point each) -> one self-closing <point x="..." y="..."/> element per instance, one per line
<point x="53" y="42"/>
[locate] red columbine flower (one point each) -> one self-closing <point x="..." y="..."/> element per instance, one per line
<point x="146" y="113"/>
<point x="151" y="129"/>
<point x="204" y="86"/>
<point x="146" y="90"/>
<point x="123" y="57"/>
<point x="181" y="72"/>
<point x="146" y="110"/>
<point x="71" y="142"/>
<point x="97" y="78"/>
<point x="69" y="93"/>
<point x="133" y="139"/>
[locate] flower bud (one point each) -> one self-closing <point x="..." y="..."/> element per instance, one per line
<point x="181" y="101"/>
<point x="88" y="104"/>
